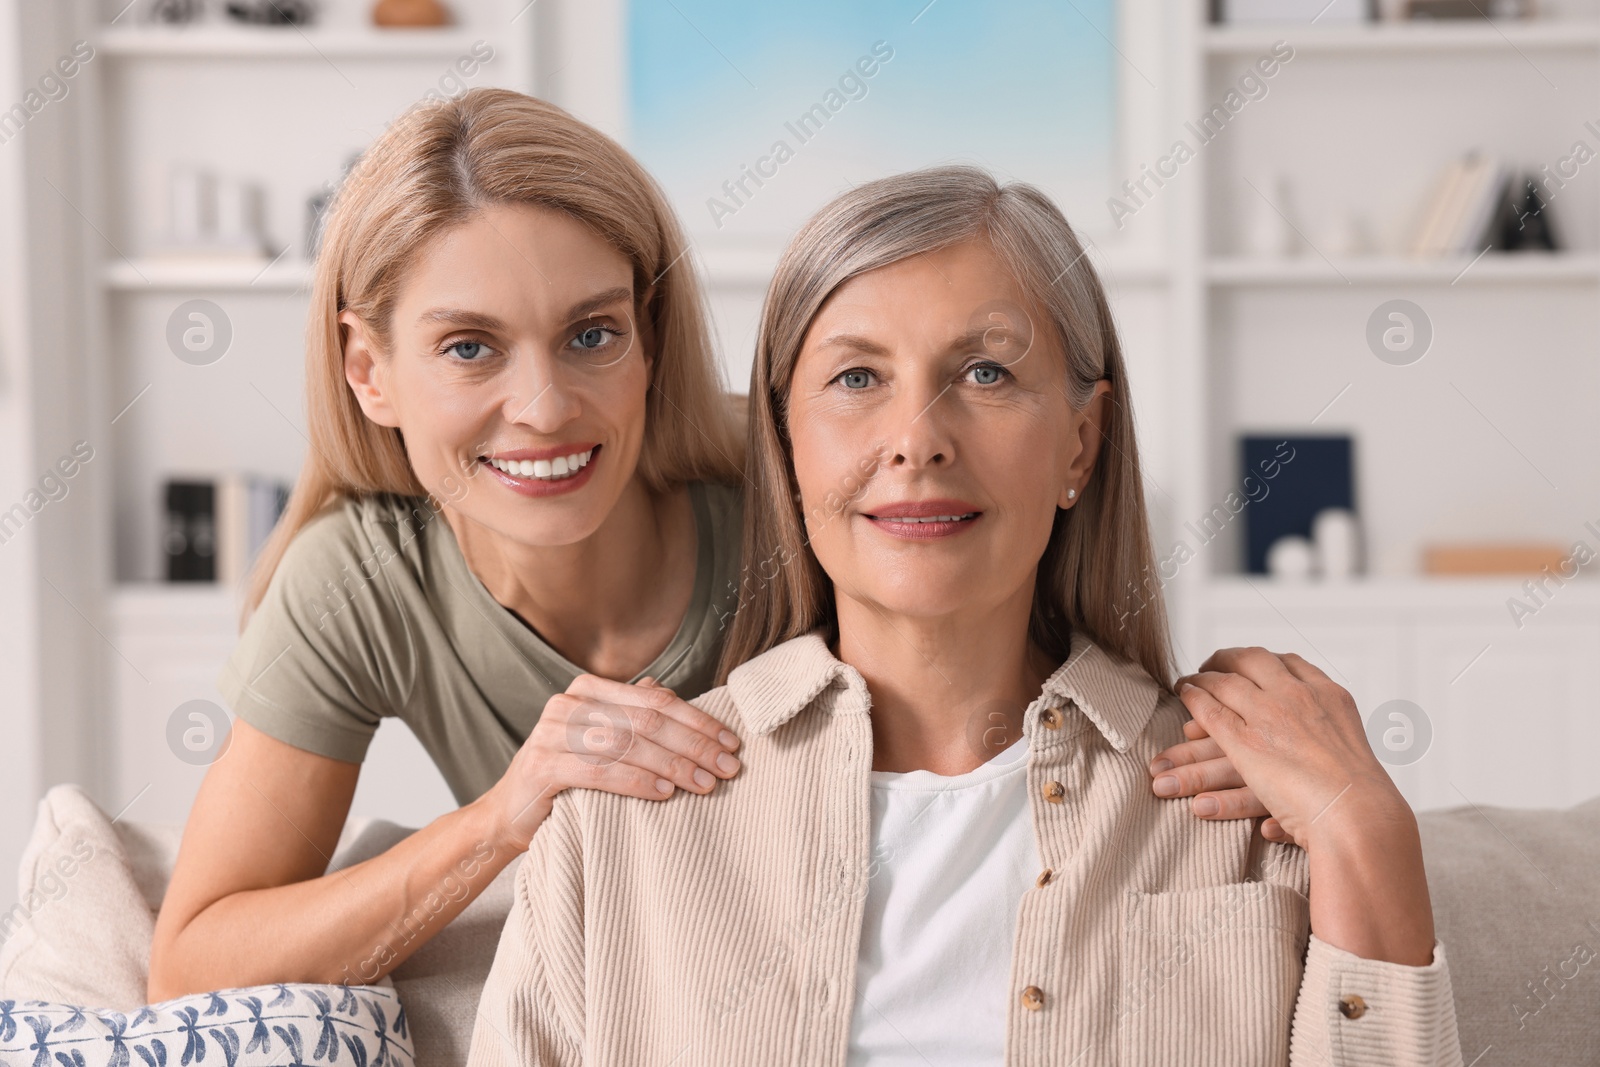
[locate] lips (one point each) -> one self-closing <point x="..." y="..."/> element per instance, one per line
<point x="556" y="467"/>
<point x="924" y="520"/>
<point x="543" y="471"/>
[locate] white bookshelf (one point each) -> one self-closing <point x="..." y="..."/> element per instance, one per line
<point x="285" y="42"/>
<point x="285" y="107"/>
<point x="1469" y="444"/>
<point x="1545" y="35"/>
<point x="1490" y="269"/>
<point x="154" y="275"/>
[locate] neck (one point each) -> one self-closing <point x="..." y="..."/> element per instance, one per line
<point x="948" y="692"/>
<point x="603" y="601"/>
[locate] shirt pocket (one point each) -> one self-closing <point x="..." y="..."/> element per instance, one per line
<point x="1210" y="976"/>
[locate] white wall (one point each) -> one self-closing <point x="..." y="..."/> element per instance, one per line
<point x="19" y="784"/>
<point x="51" y="617"/>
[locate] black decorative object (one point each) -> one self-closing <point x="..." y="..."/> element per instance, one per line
<point x="1525" y="223"/>
<point x="272" y="12"/>
<point x="174" y="12"/>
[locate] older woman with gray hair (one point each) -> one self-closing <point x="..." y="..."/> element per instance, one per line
<point x="944" y="847"/>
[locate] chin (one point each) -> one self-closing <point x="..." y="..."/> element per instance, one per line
<point x="540" y="523"/>
<point x="914" y="596"/>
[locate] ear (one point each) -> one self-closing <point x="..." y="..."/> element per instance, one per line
<point x="363" y="369"/>
<point x="1088" y="430"/>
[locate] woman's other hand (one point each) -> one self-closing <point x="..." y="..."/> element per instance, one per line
<point x="1199" y="768"/>
<point x="1289" y="733"/>
<point x="633" y="740"/>
<point x="1297" y="740"/>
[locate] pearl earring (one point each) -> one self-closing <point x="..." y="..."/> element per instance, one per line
<point x="1072" y="494"/>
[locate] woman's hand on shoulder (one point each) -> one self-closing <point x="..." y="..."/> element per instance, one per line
<point x="1279" y="728"/>
<point x="633" y="740"/>
<point x="1297" y="739"/>
<point x="1199" y="768"/>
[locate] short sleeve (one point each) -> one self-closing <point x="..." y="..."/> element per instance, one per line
<point x="327" y="654"/>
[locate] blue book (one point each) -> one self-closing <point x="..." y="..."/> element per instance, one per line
<point x="1310" y="475"/>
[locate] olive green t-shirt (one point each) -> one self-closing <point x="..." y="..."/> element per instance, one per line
<point x="374" y="612"/>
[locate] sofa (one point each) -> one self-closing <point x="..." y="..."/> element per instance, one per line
<point x="1516" y="897"/>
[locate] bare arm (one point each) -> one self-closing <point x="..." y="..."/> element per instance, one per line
<point x="250" y="903"/>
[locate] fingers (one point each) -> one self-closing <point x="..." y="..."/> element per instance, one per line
<point x="623" y="779"/>
<point x="608" y="732"/>
<point x="1210" y="699"/>
<point x="1186" y="752"/>
<point x="1257" y="664"/>
<point x="1236" y="803"/>
<point x="1273" y="830"/>
<point x="623" y="761"/>
<point x="1188" y="780"/>
<point x="654" y="696"/>
<point x="1194" y="731"/>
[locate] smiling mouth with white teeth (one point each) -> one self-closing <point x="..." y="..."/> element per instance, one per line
<point x="930" y="518"/>
<point x="542" y="470"/>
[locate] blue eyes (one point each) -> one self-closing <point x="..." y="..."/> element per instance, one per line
<point x="588" y="339"/>
<point x="593" y="337"/>
<point x="857" y="378"/>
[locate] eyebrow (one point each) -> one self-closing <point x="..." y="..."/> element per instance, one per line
<point x="598" y="301"/>
<point x="973" y="338"/>
<point x="488" y="323"/>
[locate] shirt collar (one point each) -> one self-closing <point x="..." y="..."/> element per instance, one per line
<point x="1117" y="696"/>
<point x="1114" y="694"/>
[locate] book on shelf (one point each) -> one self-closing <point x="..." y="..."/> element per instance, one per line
<point x="1462" y="213"/>
<point x="214" y="528"/>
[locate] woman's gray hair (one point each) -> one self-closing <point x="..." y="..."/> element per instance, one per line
<point x="1098" y="571"/>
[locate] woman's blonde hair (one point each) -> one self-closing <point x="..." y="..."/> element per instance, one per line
<point x="1096" y="571"/>
<point x="436" y="166"/>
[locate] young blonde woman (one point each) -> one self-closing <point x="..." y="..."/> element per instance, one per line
<point x="943" y="846"/>
<point x="520" y="495"/>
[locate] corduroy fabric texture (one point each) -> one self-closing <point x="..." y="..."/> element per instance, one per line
<point x="724" y="929"/>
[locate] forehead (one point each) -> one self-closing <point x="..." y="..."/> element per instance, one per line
<point x="931" y="296"/>
<point x="957" y="298"/>
<point x="514" y="255"/>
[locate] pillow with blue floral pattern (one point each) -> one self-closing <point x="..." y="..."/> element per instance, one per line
<point x="287" y="1025"/>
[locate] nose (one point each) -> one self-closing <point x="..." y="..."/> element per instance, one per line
<point x="540" y="398"/>
<point x="917" y="428"/>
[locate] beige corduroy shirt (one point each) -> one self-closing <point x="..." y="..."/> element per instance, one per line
<point x="724" y="929"/>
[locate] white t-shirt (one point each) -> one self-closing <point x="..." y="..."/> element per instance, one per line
<point x="952" y="858"/>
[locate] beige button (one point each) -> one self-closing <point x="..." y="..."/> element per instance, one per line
<point x="1352" y="1007"/>
<point x="1044" y="877"/>
<point x="1033" y="998"/>
<point x="1051" y="718"/>
<point x="1054" y="791"/>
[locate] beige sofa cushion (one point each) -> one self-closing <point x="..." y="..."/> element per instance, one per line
<point x="1516" y="900"/>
